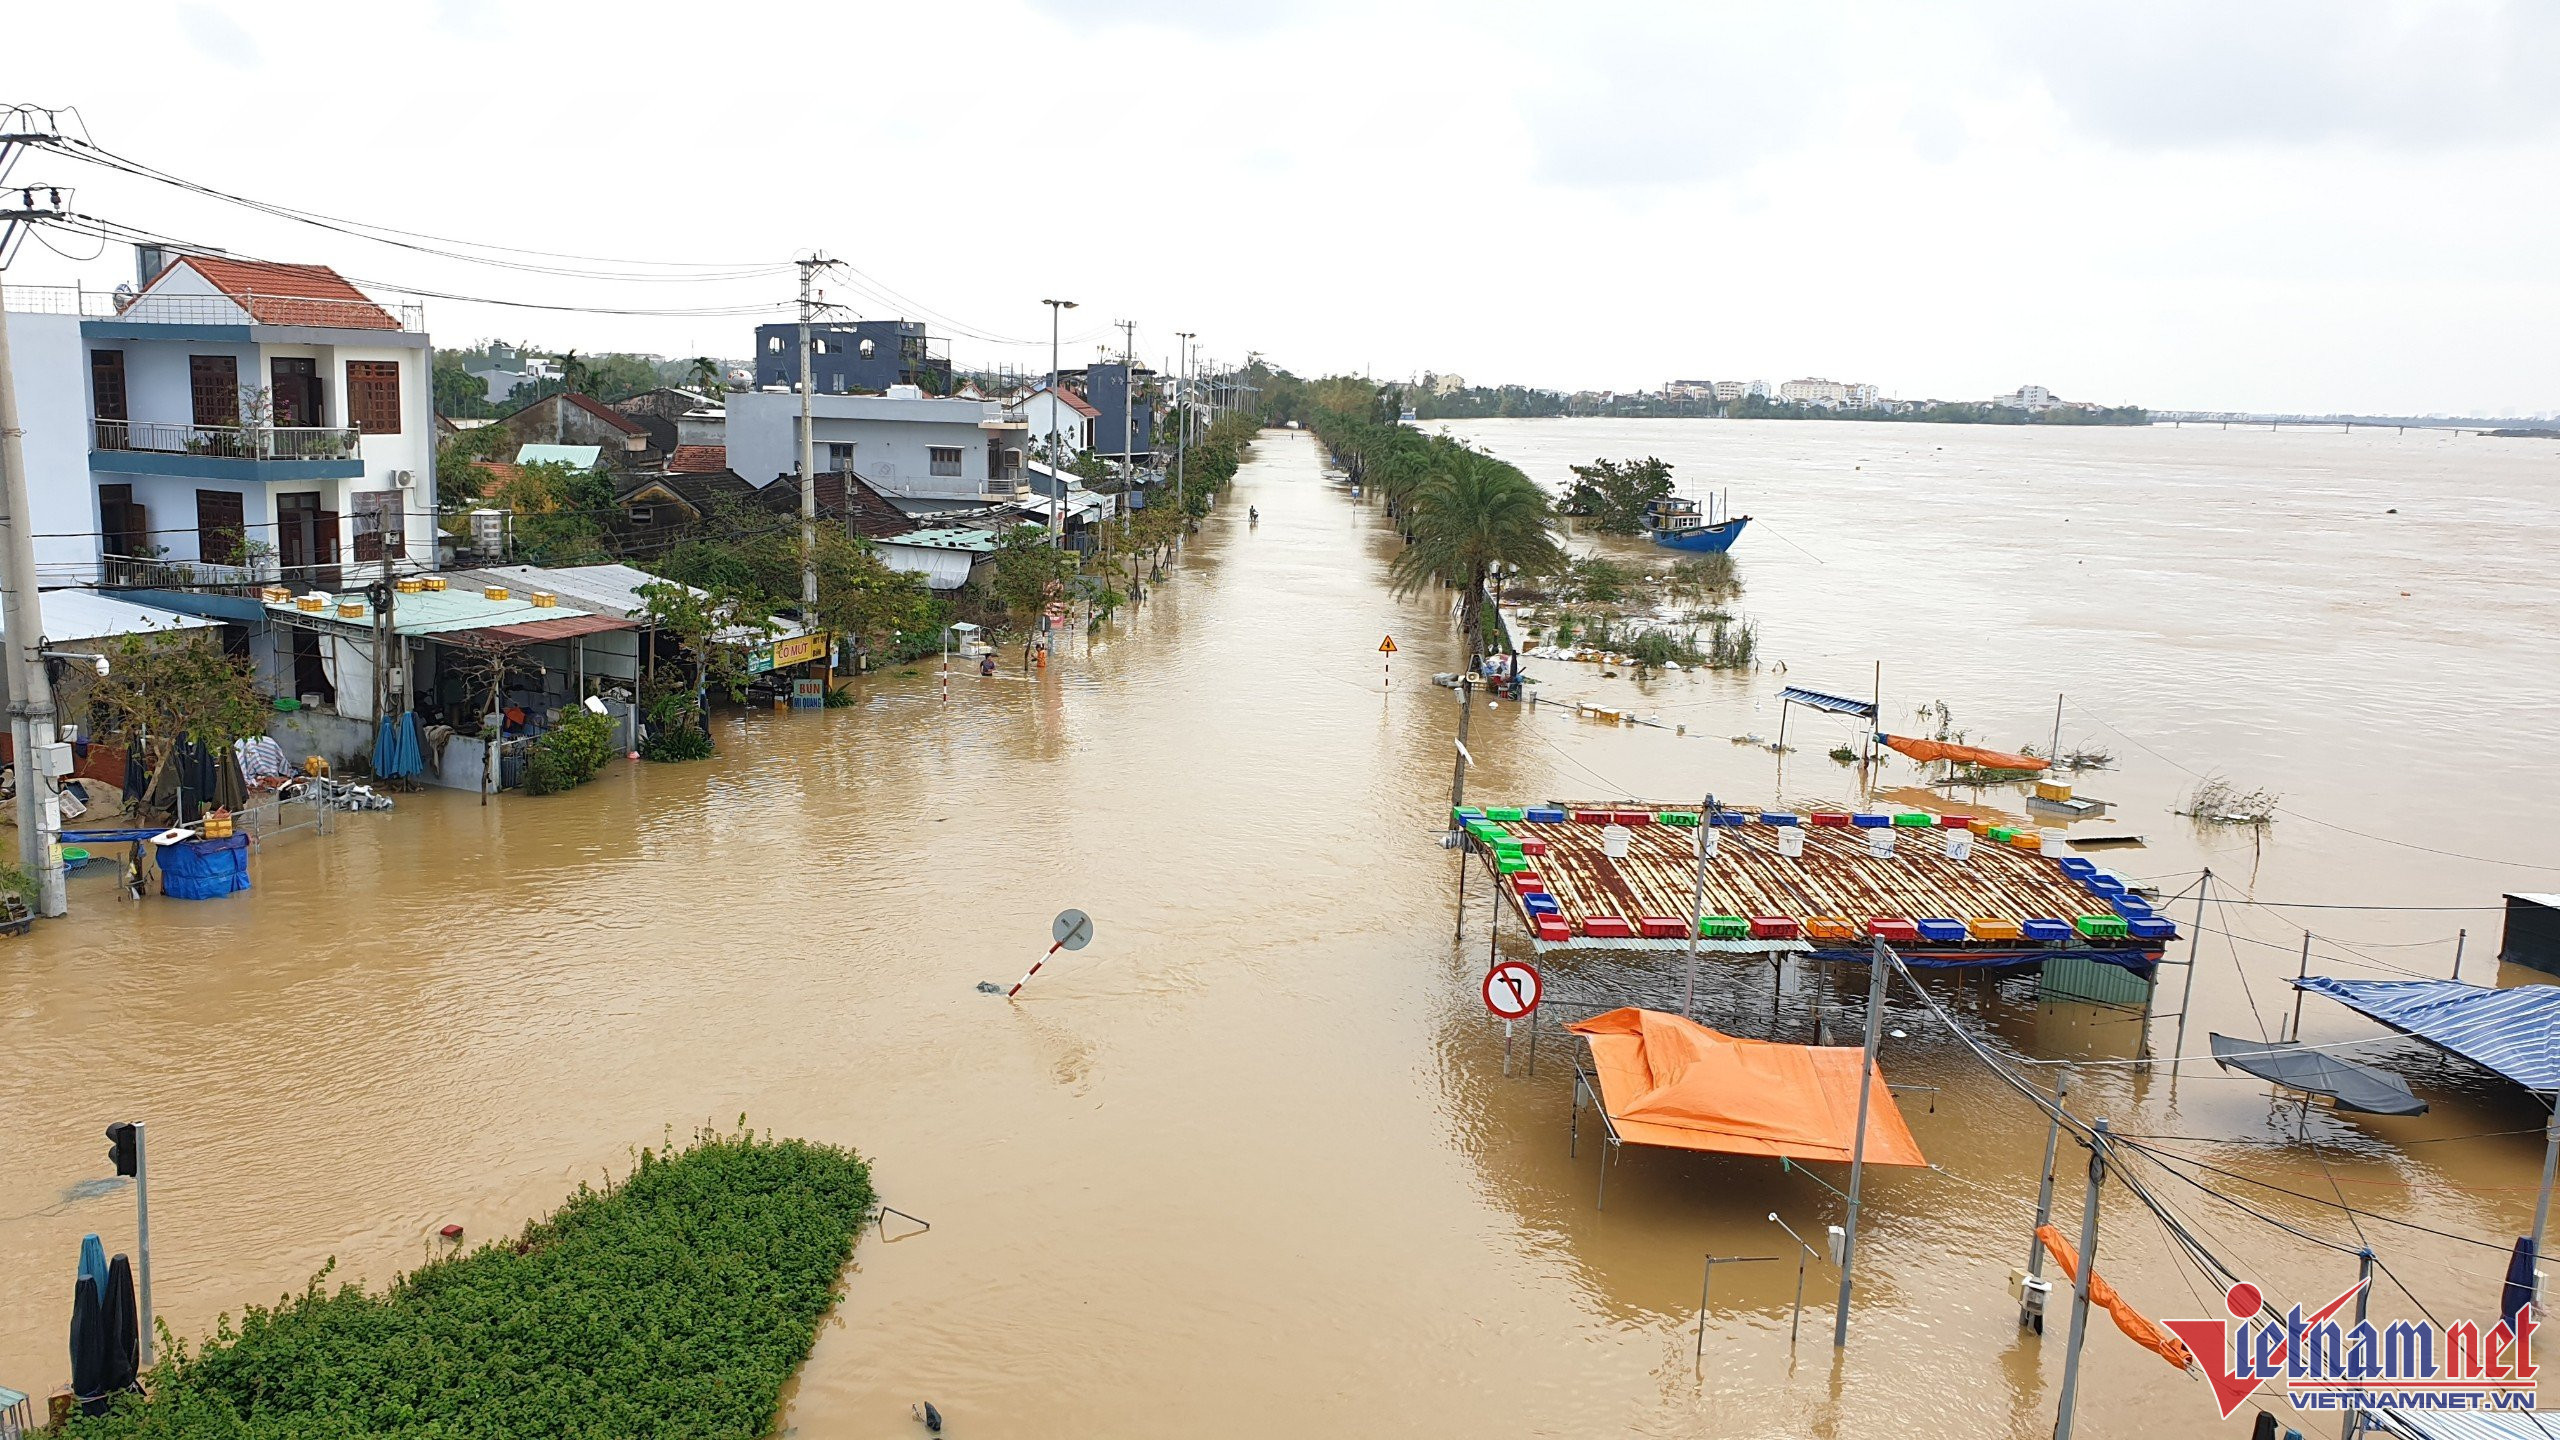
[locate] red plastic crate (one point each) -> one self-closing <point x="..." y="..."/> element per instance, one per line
<point x="1608" y="927"/>
<point x="1661" y="927"/>
<point x="1527" y="882"/>
<point x="1533" y="847"/>
<point x="1773" y="927"/>
<point x="1554" y="927"/>
<point x="1630" y="817"/>
<point x="1955" y="822"/>
<point x="1828" y="817"/>
<point x="1893" y="930"/>
<point x="1591" y="817"/>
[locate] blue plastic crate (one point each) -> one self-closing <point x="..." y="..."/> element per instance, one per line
<point x="1728" y="819"/>
<point x="2152" y="927"/>
<point x="2078" y="867"/>
<point x="1544" y="815"/>
<point x="1872" y="822"/>
<point x="2132" y="907"/>
<point x="2046" y="929"/>
<point x="1539" y="902"/>
<point x="2102" y="885"/>
<point x="1779" y="817"/>
<point x="1943" y="930"/>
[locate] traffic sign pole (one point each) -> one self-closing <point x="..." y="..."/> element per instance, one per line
<point x="1072" y="930"/>
<point x="1387" y="647"/>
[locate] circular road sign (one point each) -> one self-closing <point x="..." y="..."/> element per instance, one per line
<point x="1072" y="929"/>
<point x="1511" y="990"/>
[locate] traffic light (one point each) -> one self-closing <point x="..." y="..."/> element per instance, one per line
<point x="120" y="1146"/>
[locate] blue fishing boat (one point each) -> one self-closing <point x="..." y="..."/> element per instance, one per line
<point x="1677" y="524"/>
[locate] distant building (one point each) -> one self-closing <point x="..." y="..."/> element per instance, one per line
<point x="921" y="452"/>
<point x="861" y="357"/>
<point x="2027" y="397"/>
<point x="1119" y="396"/>
<point x="1060" y="416"/>
<point x="569" y="418"/>
<point x="1445" y="384"/>
<point x="1729" y="391"/>
<point x="1689" y="390"/>
<point x="1822" y="394"/>
<point x="1864" y="397"/>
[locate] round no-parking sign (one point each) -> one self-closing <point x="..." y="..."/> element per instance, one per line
<point x="1511" y="990"/>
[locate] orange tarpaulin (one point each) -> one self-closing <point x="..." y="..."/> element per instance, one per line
<point x="1669" y="1081"/>
<point x="1966" y="754"/>
<point x="2141" y="1329"/>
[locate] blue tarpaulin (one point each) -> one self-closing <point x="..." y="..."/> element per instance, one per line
<point x="2514" y="1032"/>
<point x="395" y="750"/>
<point x="204" y="869"/>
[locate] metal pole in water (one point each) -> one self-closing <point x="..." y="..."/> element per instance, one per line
<point x="2080" y="1285"/>
<point x="2187" y="993"/>
<point x="142" y="1236"/>
<point x="2297" y="989"/>
<point x="2044" y="1191"/>
<point x="1698" y="909"/>
<point x="2542" y="1202"/>
<point x="2353" y="1425"/>
<point x="2459" y="936"/>
<point x="2053" y="757"/>
<point x="1858" y="1146"/>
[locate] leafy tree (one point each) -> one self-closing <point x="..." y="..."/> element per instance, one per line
<point x="704" y="374"/>
<point x="1614" y="493"/>
<point x="458" y="474"/>
<point x="161" y="689"/>
<point x="559" y="512"/>
<point x="458" y="393"/>
<point x="1027" y="573"/>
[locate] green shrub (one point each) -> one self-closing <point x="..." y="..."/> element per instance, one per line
<point x="569" y="753"/>
<point x="674" y="734"/>
<point x="839" y="697"/>
<point x="677" y="1303"/>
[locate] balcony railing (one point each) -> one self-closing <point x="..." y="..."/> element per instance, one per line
<point x="248" y="308"/>
<point x="230" y="442"/>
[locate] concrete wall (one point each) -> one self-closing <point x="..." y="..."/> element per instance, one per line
<point x="1107" y="390"/>
<point x="51" y="368"/>
<point x="837" y="365"/>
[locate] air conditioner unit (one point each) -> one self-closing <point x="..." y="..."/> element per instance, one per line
<point x="405" y="479"/>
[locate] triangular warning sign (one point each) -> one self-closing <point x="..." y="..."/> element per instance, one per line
<point x="1387" y="646"/>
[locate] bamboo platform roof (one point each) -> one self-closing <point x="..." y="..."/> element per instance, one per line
<point x="1932" y="886"/>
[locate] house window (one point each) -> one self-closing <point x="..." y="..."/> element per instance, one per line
<point x="866" y="349"/>
<point x="381" y="526"/>
<point x="219" y="526"/>
<point x="213" y="381"/>
<point x="943" y="459"/>
<point x="373" y="396"/>
<point x="839" y="458"/>
<point x="642" y="515"/>
<point x="106" y="384"/>
<point x="773" y="345"/>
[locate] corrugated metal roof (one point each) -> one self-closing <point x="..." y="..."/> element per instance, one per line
<point x="1823" y="700"/>
<point x="1836" y="876"/>
<point x="980" y="542"/>
<point x="2514" y="1032"/>
<point x="71" y="615"/>
<point x="569" y="627"/>
<point x="2467" y="1425"/>
<point x="438" y="612"/>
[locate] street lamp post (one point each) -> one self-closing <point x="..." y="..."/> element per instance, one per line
<point x="1057" y="473"/>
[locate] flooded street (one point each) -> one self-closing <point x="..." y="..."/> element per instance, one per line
<point x="1249" y="1165"/>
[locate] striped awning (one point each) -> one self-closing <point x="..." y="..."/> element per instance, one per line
<point x="1836" y="704"/>
<point x="2514" y="1032"/>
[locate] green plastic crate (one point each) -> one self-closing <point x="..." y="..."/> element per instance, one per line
<point x="1466" y="814"/>
<point x="1506" y="813"/>
<point x="2100" y="927"/>
<point x="1676" y="817"/>
<point x="1914" y="820"/>
<point x="1514" y="864"/>
<point x="2002" y="833"/>
<point x="1723" y="927"/>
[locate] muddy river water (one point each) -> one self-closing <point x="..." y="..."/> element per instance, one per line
<point x="1250" y="1165"/>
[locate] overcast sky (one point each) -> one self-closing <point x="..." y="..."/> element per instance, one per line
<point x="2282" y="205"/>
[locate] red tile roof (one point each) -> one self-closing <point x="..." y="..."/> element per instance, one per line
<point x="276" y="294"/>
<point x="602" y="411"/>
<point x="699" y="459"/>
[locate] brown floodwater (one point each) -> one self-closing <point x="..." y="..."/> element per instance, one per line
<point x="1250" y="1164"/>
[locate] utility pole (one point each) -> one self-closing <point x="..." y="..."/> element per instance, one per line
<point x="1877" y="958"/>
<point x="2187" y="996"/>
<point x="1128" y="392"/>
<point x="2080" y="1283"/>
<point x="22" y="615"/>
<point x="1181" y="419"/>
<point x="808" y="462"/>
<point x="1706" y="847"/>
<point x="2044" y="1194"/>
<point x="1057" y="471"/>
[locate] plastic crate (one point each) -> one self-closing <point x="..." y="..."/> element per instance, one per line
<point x="1660" y="927"/>
<point x="2028" y="839"/>
<point x="1533" y="847"/>
<point x="1631" y="818"/>
<point x="1723" y="927"/>
<point x="1992" y="927"/>
<point x="1541" y="903"/>
<point x="1728" y="820"/>
<point x="1833" y="819"/>
<point x="1590" y="817"/>
<point x="2000" y="834"/>
<point x="1608" y="927"/>
<point x="1944" y="931"/>
<point x="2152" y="927"/>
<point x="1871" y="822"/>
<point x="1506" y="813"/>
<point x="1893" y="929"/>
<point x="1675" y="817"/>
<point x="2132" y="907"/>
<point x="1778" y="817"/>
<point x="1914" y="820"/>
<point x="1509" y="864"/>
<point x="1955" y="822"/>
<point x="2106" y="885"/>
<point x="2078" y="867"/>
<point x="1830" y="927"/>
<point x="2100" y="927"/>
<point x="1544" y="815"/>
<point x="1553" y="928"/>
<point x="1466" y="813"/>
<point x="1524" y="882"/>
<point x="1774" y="927"/>
<point x="2045" y="929"/>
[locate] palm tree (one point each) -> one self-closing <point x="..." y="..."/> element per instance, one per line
<point x="575" y="373"/>
<point x="1471" y="514"/>
<point x="705" y="375"/>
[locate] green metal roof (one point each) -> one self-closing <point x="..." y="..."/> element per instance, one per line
<point x="437" y="612"/>
<point x="982" y="542"/>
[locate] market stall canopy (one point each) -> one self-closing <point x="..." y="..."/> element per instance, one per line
<point x="1919" y="749"/>
<point x="611" y="590"/>
<point x="451" y="612"/>
<point x="1819" y="700"/>
<point x="2514" y="1032"/>
<point x="2316" y="1072"/>
<point x="1670" y="1081"/>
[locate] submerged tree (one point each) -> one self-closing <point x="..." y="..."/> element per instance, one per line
<point x="1473" y="514"/>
